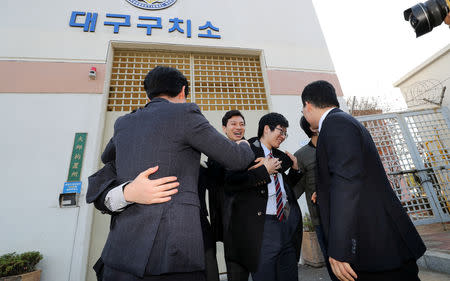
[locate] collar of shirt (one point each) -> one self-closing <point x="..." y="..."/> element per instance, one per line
<point x="266" y="150"/>
<point x="323" y="117"/>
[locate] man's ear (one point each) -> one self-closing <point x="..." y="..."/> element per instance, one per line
<point x="307" y="106"/>
<point x="224" y="129"/>
<point x="181" y="95"/>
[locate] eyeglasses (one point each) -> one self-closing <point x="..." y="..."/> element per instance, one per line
<point x="282" y="132"/>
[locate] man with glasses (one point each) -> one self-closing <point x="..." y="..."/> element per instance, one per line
<point x="265" y="231"/>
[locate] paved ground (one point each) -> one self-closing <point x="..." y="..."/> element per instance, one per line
<point x="436" y="238"/>
<point x="308" y="273"/>
<point x="438" y="241"/>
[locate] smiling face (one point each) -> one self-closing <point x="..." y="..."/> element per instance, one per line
<point x="235" y="128"/>
<point x="273" y="139"/>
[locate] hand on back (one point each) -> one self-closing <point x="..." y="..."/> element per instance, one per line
<point x="142" y="190"/>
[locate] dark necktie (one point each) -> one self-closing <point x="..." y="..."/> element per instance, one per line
<point x="279" y="194"/>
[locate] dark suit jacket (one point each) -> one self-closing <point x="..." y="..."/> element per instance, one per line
<point x="306" y="158"/>
<point x="164" y="238"/>
<point x="249" y="188"/>
<point x="363" y="220"/>
<point x="219" y="201"/>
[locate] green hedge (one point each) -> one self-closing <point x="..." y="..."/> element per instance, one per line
<point x="14" y="264"/>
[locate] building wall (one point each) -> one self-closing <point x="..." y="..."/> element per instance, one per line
<point x="36" y="145"/>
<point x="46" y="97"/>
<point x="426" y="82"/>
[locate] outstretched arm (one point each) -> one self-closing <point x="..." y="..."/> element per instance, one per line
<point x="256" y="175"/>
<point x="205" y="138"/>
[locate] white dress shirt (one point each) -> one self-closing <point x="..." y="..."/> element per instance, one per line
<point x="115" y="200"/>
<point x="323" y="117"/>
<point x="271" y="207"/>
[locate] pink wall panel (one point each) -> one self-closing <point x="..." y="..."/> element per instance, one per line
<point x="286" y="82"/>
<point x="50" y="77"/>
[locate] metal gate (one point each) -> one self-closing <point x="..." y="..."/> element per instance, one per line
<point x="414" y="148"/>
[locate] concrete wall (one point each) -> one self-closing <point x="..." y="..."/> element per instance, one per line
<point x="36" y="146"/>
<point x="427" y="80"/>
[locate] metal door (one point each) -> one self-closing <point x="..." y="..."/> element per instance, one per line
<point x="414" y="148"/>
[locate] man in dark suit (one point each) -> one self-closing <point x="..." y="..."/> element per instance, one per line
<point x="306" y="158"/>
<point x="211" y="177"/>
<point x="162" y="241"/>
<point x="367" y="232"/>
<point x="265" y="229"/>
<point x="233" y="125"/>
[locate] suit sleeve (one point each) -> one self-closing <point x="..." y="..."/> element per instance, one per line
<point x="205" y="138"/>
<point x="241" y="180"/>
<point x="104" y="180"/>
<point x="109" y="154"/>
<point x="342" y="141"/>
<point x="286" y="164"/>
<point x="99" y="184"/>
<point x="299" y="188"/>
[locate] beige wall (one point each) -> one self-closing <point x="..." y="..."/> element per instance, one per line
<point x="426" y="82"/>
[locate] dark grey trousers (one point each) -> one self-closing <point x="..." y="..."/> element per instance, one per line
<point x="277" y="260"/>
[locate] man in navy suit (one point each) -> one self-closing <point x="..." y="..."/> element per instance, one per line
<point x="368" y="234"/>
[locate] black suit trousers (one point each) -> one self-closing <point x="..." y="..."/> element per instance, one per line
<point x="277" y="261"/>
<point x="408" y="272"/>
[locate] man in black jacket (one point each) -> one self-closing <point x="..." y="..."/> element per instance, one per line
<point x="367" y="232"/>
<point x="306" y="158"/>
<point x="265" y="230"/>
<point x="212" y="178"/>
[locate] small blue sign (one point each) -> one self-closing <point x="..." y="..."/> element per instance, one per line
<point x="72" y="187"/>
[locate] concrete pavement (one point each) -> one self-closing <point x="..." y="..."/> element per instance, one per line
<point x="308" y="273"/>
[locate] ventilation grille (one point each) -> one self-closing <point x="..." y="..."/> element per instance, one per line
<point x="217" y="82"/>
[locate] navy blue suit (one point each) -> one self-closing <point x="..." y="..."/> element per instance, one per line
<point x="363" y="221"/>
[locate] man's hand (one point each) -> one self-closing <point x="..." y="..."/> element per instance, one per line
<point x="447" y="19"/>
<point x="342" y="270"/>
<point x="272" y="164"/>
<point x="142" y="190"/>
<point x="294" y="160"/>
<point x="259" y="162"/>
<point x="314" y="197"/>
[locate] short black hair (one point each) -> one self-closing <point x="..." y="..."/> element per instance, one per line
<point x="272" y="119"/>
<point x="321" y="94"/>
<point x="230" y="114"/>
<point x="306" y="127"/>
<point x="165" y="80"/>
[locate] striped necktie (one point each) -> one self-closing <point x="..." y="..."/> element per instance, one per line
<point x="279" y="194"/>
